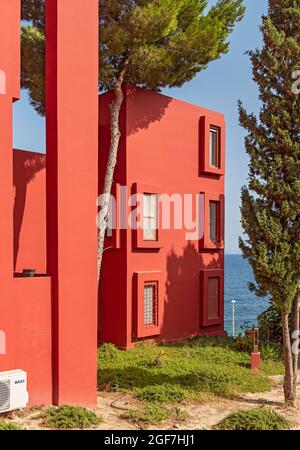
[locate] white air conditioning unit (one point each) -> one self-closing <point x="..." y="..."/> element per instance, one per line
<point x="13" y="390"/>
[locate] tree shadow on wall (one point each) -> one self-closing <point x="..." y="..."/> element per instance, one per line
<point x="26" y="165"/>
<point x="183" y="297"/>
<point x="140" y="109"/>
<point x="146" y="107"/>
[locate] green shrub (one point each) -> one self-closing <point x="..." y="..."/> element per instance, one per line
<point x="8" y="425"/>
<point x="243" y="344"/>
<point x="254" y="419"/>
<point x="108" y="351"/>
<point x="163" y="393"/>
<point x="269" y="323"/>
<point x="270" y="351"/>
<point x="151" y="414"/>
<point x="68" y="417"/>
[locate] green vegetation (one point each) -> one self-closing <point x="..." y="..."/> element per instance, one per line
<point x="8" y="425"/>
<point x="187" y="370"/>
<point x="151" y="414"/>
<point x="166" y="393"/>
<point x="254" y="419"/>
<point x="69" y="417"/>
<point x="271" y="200"/>
<point x="155" y="414"/>
<point x="269" y="323"/>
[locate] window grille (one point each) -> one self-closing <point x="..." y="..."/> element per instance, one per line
<point x="151" y="304"/>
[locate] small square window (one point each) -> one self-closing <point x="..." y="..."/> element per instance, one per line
<point x="214" y="147"/>
<point x="150" y="217"/>
<point x="214" y="221"/>
<point x="151" y="304"/>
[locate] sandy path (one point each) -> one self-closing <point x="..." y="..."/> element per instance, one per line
<point x="111" y="405"/>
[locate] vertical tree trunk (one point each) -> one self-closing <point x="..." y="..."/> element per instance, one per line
<point x="111" y="163"/>
<point x="295" y="324"/>
<point x="289" y="390"/>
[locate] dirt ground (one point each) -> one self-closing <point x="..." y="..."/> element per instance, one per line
<point x="200" y="415"/>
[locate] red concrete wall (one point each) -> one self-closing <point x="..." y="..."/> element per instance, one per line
<point x="50" y="322"/>
<point x="29" y="179"/>
<point x="161" y="149"/>
<point x="25" y="304"/>
<point x="25" y="317"/>
<point x="112" y="311"/>
<point x="72" y="73"/>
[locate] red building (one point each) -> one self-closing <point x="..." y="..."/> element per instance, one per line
<point x="161" y="282"/>
<point x="158" y="283"/>
<point x="48" y="324"/>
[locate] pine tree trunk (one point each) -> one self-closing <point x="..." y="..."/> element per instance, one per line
<point x="289" y="389"/>
<point x="295" y="324"/>
<point x="111" y="163"/>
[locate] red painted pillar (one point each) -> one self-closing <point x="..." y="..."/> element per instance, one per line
<point x="9" y="91"/>
<point x="255" y="360"/>
<point x="72" y="173"/>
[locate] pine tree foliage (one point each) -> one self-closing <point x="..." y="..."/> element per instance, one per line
<point x="167" y="42"/>
<point x="271" y="202"/>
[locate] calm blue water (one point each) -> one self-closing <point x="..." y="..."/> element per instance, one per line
<point x="237" y="275"/>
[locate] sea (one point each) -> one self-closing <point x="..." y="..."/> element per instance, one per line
<point x="238" y="273"/>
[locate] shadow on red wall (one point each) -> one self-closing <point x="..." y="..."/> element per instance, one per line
<point x="26" y="166"/>
<point x="143" y="110"/>
<point x="183" y="275"/>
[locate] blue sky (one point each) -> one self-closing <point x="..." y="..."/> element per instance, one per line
<point x="218" y="88"/>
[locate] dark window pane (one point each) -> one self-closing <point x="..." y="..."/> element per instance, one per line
<point x="213" y="221"/>
<point x="214" y="147"/>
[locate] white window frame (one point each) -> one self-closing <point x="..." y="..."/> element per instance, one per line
<point x="150" y="219"/>
<point x="214" y="147"/>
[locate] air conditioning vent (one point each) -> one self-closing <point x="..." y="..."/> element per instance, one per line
<point x="13" y="390"/>
<point x="4" y="395"/>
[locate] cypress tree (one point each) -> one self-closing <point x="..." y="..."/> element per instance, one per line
<point x="271" y="201"/>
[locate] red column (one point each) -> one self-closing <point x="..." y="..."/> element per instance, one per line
<point x="9" y="91"/>
<point x="72" y="162"/>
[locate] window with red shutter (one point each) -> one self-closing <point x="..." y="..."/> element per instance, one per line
<point x="213" y="297"/>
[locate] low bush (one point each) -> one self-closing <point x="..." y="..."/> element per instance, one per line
<point x="69" y="417"/>
<point x="254" y="419"/>
<point x="8" y="425"/>
<point x="151" y="414"/>
<point x="162" y="393"/>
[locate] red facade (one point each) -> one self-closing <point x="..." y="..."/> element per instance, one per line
<point x="156" y="284"/>
<point x="165" y="149"/>
<point x="47" y="323"/>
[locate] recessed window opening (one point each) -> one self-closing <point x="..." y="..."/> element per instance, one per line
<point x="151" y="304"/>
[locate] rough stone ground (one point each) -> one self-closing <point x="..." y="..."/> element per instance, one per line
<point x="201" y="415"/>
